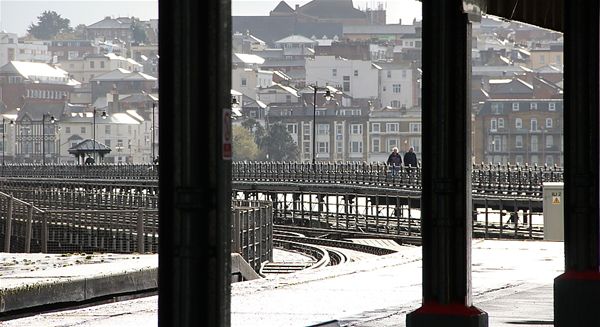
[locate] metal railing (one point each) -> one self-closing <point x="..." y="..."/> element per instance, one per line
<point x="28" y="228"/>
<point x="252" y="231"/>
<point x="485" y="178"/>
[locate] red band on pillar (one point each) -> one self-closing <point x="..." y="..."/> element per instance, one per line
<point x="582" y="275"/>
<point x="453" y="309"/>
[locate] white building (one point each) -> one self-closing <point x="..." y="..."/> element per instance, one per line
<point x="396" y="85"/>
<point x="12" y="50"/>
<point x="356" y="78"/>
<point x="249" y="80"/>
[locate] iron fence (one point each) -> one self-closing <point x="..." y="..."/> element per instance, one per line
<point x="252" y="231"/>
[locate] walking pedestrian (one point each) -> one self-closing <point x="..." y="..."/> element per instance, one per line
<point x="394" y="161"/>
<point x="410" y="158"/>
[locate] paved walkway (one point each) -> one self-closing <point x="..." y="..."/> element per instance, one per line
<point x="512" y="281"/>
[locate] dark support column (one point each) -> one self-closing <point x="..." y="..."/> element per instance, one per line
<point x="195" y="203"/>
<point x="577" y="291"/>
<point x="446" y="193"/>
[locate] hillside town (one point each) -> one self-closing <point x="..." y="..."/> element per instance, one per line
<point x="92" y="95"/>
<point x="346" y="86"/>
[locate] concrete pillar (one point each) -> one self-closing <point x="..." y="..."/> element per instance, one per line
<point x="577" y="290"/>
<point x="446" y="194"/>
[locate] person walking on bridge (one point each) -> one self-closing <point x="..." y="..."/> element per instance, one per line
<point x="394" y="161"/>
<point x="410" y="158"/>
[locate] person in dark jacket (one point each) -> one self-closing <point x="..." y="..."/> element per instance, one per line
<point x="410" y="158"/>
<point x="394" y="161"/>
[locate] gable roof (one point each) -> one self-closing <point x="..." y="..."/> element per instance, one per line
<point x="121" y="74"/>
<point x="295" y="39"/>
<point x="331" y="9"/>
<point x="272" y="28"/>
<point x="108" y="23"/>
<point x="37" y="71"/>
<point x="283" y="7"/>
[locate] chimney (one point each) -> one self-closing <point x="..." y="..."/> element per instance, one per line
<point x="297" y="7"/>
<point x="115" y="99"/>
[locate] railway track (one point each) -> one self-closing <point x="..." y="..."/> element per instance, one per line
<point x="322" y="251"/>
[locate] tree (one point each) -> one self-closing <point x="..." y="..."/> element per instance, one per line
<point x="244" y="147"/>
<point x="256" y="129"/>
<point x="49" y="25"/>
<point x="278" y="144"/>
<point x="138" y="31"/>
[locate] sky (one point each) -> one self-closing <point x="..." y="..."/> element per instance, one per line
<point x="17" y="15"/>
<point x="406" y="10"/>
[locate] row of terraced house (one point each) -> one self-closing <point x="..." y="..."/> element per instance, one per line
<point x="97" y="95"/>
<point x="372" y="69"/>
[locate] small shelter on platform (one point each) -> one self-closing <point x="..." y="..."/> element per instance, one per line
<point x="89" y="148"/>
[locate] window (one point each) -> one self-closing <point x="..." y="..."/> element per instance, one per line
<point x="244" y="81"/>
<point x="339" y="147"/>
<point x="518" y="123"/>
<point x="322" y="129"/>
<point x="68" y="130"/>
<point x="356" y="147"/>
<point x="534" y="143"/>
<point x="533" y="106"/>
<point x="392" y="143"/>
<point x="415" y="142"/>
<point x="551" y="106"/>
<point x="92" y="64"/>
<point x="414" y="127"/>
<point x="339" y="129"/>
<point x="389" y="74"/>
<point x="83" y="130"/>
<point x="549" y="141"/>
<point x="403" y="73"/>
<point x="396" y="88"/>
<point x="375" y="127"/>
<point x="519" y="141"/>
<point x="515" y="106"/>
<point x="356" y="129"/>
<point x="548" y="122"/>
<point x="102" y="64"/>
<point x="334" y="72"/>
<point x="392" y="127"/>
<point x="323" y="147"/>
<point x="292" y="128"/>
<point x="376" y="145"/>
<point x="493" y="125"/>
<point x="107" y="129"/>
<point x="500" y="122"/>
<point x="395" y="104"/>
<point x="107" y="142"/>
<point x="496" y="108"/>
<point x="355" y="72"/>
<point x="497" y="143"/>
<point x="288" y="98"/>
<point x="346" y="84"/>
<point x="306" y="147"/>
<point x="534" y="125"/>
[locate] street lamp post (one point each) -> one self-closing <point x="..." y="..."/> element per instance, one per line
<point x="3" y="138"/>
<point x="314" y="134"/>
<point x="104" y="115"/>
<point x="44" y="135"/>
<point x="153" y="108"/>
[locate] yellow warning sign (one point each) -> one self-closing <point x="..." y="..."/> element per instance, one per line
<point x="556" y="199"/>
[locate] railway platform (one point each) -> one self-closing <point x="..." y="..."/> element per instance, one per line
<point x="512" y="282"/>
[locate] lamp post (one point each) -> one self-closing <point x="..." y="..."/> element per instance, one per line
<point x="103" y="115"/>
<point x="153" y="108"/>
<point x="3" y="138"/>
<point x="44" y="134"/>
<point x="327" y="97"/>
